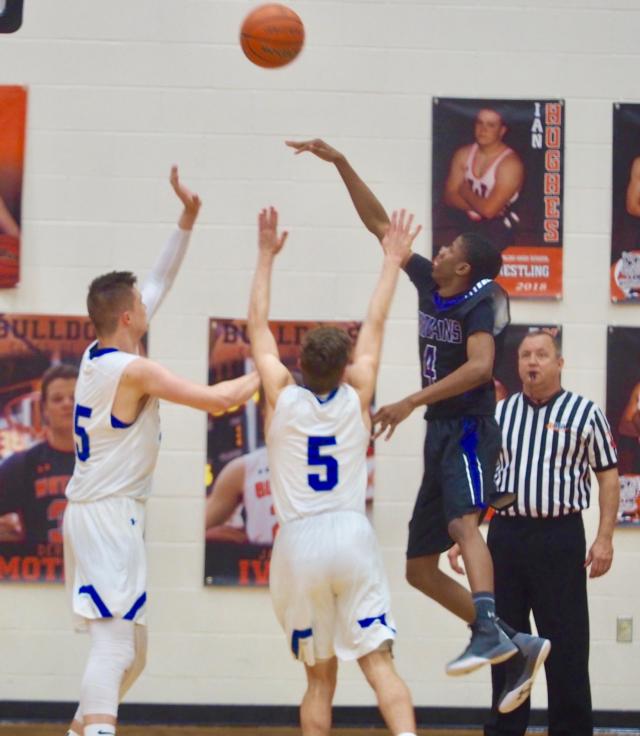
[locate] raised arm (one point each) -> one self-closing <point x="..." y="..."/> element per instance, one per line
<point x="164" y="271"/>
<point x="363" y="371"/>
<point x="368" y="207"/>
<point x="273" y="373"/>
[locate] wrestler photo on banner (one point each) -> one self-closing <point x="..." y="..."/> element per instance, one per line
<point x="240" y="518"/>
<point x="498" y="170"/>
<point x="623" y="412"/>
<point x="625" y="205"/>
<point x="13" y="111"/>
<point x="39" y="359"/>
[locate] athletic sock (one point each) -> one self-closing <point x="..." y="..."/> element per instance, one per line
<point x="407" y="733"/>
<point x="99" y="729"/>
<point x="485" y="605"/>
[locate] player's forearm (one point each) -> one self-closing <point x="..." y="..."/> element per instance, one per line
<point x="260" y="299"/>
<point x="468" y="376"/>
<point x="7" y="223"/>
<point x="609" y="502"/>
<point x="486" y="207"/>
<point x="165" y="270"/>
<point x="382" y="296"/>
<point x="453" y="199"/>
<point x="368" y="207"/>
<point x="235" y="392"/>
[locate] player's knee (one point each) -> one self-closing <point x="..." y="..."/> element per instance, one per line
<point x="463" y="528"/>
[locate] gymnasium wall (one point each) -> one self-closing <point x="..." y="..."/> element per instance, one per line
<point x="121" y="89"/>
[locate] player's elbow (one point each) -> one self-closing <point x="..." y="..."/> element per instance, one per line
<point x="483" y="371"/>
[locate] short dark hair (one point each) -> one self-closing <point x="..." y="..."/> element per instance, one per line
<point x="483" y="257"/>
<point x="324" y="355"/>
<point x="109" y="296"/>
<point x="61" y="370"/>
<point x="546" y="333"/>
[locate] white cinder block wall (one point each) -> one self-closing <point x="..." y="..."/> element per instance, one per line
<point x="119" y="90"/>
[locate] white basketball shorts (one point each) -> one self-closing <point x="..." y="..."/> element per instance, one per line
<point x="105" y="560"/>
<point x="328" y="587"/>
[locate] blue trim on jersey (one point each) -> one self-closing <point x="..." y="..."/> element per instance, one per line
<point x="117" y="424"/>
<point x="96" y="352"/>
<point x="98" y="602"/>
<point x="131" y="613"/>
<point x="442" y="303"/>
<point x="296" y="636"/>
<point x="330" y="396"/>
<point x="469" y="443"/>
<point x="365" y="623"/>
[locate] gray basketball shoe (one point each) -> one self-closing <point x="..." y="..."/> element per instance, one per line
<point x="489" y="645"/>
<point x="522" y="670"/>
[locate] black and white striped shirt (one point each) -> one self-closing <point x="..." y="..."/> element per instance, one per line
<point x="547" y="450"/>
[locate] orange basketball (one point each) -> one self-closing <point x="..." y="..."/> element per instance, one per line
<point x="272" y="35"/>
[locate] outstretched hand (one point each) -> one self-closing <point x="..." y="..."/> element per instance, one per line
<point x="190" y="200"/>
<point x="268" y="239"/>
<point x="318" y="147"/>
<point x="388" y="417"/>
<point x="398" y="238"/>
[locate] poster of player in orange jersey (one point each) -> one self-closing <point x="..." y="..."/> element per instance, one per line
<point x="625" y="205"/>
<point x="240" y="517"/>
<point x="13" y="111"/>
<point x="39" y="358"/>
<point x="623" y="413"/>
<point x="498" y="170"/>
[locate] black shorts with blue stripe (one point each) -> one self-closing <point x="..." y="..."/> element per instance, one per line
<point x="460" y="457"/>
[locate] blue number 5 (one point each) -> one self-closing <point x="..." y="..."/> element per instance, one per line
<point x="83" y="451"/>
<point x="330" y="481"/>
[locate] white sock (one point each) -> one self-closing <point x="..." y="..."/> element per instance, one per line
<point x="407" y="733"/>
<point x="99" y="729"/>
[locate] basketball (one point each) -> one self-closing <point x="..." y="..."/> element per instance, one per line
<point x="272" y="35"/>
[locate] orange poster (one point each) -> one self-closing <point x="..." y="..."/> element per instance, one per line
<point x="13" y="110"/>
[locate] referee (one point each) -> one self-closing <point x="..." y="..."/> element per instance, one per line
<point x="551" y="439"/>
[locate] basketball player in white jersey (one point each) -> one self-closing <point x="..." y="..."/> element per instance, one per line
<point x="327" y="582"/>
<point x="117" y="436"/>
<point x="484" y="181"/>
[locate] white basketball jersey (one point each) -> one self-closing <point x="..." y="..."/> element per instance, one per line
<point x="317" y="453"/>
<point x="483" y="185"/>
<point x="260" y="515"/>
<point x="112" y="458"/>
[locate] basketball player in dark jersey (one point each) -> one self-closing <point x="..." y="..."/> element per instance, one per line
<point x="461" y="310"/>
<point x="484" y="182"/>
<point x="33" y="482"/>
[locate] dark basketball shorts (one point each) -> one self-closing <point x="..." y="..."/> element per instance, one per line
<point x="460" y="457"/>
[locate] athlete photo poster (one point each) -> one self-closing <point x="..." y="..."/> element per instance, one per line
<point x="498" y="170"/>
<point x="13" y="112"/>
<point x="240" y="520"/>
<point x="623" y="413"/>
<point x="39" y="359"/>
<point x="625" y="205"/>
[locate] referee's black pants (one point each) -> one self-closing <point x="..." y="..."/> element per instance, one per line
<point x="539" y="567"/>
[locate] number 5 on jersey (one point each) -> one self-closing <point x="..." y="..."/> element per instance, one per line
<point x="329" y="479"/>
<point x="82" y="444"/>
